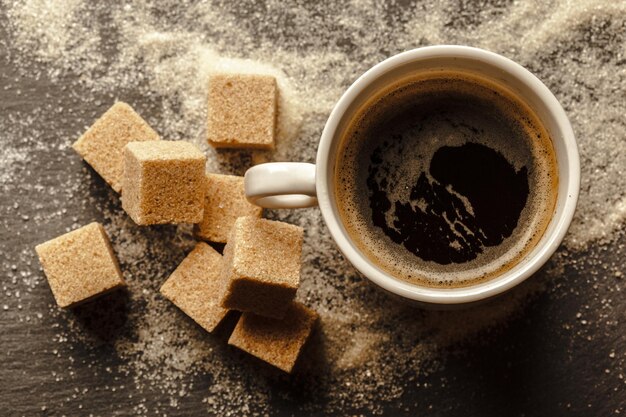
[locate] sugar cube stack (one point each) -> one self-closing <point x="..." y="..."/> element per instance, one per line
<point x="242" y="111"/>
<point x="277" y="342"/>
<point x="192" y="286"/>
<point x="102" y="144"/>
<point x="224" y="202"/>
<point x="261" y="269"/>
<point x="163" y="182"/>
<point x="80" y="265"/>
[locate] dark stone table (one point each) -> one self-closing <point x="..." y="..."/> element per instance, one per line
<point x="554" y="346"/>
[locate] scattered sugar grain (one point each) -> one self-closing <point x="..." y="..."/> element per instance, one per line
<point x="574" y="55"/>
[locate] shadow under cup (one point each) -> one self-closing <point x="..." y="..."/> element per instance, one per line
<point x="486" y="65"/>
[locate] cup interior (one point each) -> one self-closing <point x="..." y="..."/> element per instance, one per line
<point x="487" y="65"/>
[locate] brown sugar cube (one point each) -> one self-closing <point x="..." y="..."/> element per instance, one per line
<point x="163" y="182"/>
<point x="102" y="144"/>
<point x="224" y="202"/>
<point x="242" y="111"/>
<point x="192" y="287"/>
<point x="80" y="265"/>
<point x="261" y="269"/>
<point x="277" y="342"/>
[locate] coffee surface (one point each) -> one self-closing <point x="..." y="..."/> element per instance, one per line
<point x="445" y="179"/>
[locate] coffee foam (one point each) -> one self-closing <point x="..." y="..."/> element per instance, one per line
<point x="353" y="162"/>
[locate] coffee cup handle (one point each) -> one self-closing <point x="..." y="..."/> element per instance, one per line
<point x="277" y="185"/>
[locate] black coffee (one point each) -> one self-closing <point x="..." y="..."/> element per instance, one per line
<point x="445" y="179"/>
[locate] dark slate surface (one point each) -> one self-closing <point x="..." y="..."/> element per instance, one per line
<point x="541" y="362"/>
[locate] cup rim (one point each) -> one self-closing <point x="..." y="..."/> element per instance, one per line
<point x="479" y="291"/>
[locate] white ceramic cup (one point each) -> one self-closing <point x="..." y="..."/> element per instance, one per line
<point x="293" y="185"/>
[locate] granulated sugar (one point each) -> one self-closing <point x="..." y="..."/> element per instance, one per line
<point x="171" y="55"/>
<point x="369" y="349"/>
